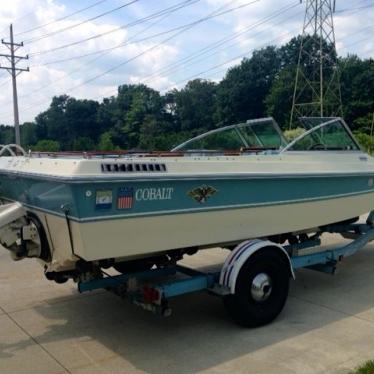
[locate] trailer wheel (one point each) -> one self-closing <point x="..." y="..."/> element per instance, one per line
<point x="261" y="289"/>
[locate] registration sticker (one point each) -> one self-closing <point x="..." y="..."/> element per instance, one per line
<point x="104" y="199"/>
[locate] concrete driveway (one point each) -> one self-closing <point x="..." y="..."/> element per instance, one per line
<point x="327" y="326"/>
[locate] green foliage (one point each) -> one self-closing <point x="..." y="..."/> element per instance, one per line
<point x="367" y="368"/>
<point x="46" y="145"/>
<point x="242" y="92"/>
<point x="105" y="143"/>
<point x="293" y="134"/>
<point x="279" y="99"/>
<point x="195" y="105"/>
<point x="358" y="92"/>
<point x="83" y="143"/>
<point x="6" y="134"/>
<point x="366" y="141"/>
<point x="141" y="118"/>
<point x="28" y="134"/>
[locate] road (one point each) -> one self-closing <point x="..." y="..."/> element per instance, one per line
<point x="326" y="326"/>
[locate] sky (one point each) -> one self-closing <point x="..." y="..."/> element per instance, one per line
<point x="161" y="43"/>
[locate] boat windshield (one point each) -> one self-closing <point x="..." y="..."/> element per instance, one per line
<point x="324" y="134"/>
<point x="256" y="135"/>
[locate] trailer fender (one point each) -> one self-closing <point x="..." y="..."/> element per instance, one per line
<point x="240" y="255"/>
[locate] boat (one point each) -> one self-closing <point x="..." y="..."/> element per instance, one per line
<point x="133" y="210"/>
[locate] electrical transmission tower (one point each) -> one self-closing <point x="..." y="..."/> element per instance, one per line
<point x="317" y="85"/>
<point x="14" y="72"/>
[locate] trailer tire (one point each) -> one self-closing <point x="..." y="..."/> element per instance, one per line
<point x="261" y="289"/>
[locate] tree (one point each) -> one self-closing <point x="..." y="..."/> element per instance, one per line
<point x="47" y="145"/>
<point x="195" y="105"/>
<point x="52" y="124"/>
<point x="6" y="134"/>
<point x="68" y="118"/>
<point x="134" y="104"/>
<point x="28" y="134"/>
<point x="105" y="143"/>
<point x="358" y="92"/>
<point x="83" y="143"/>
<point x="139" y="117"/>
<point x="279" y="99"/>
<point x="81" y="119"/>
<point x="241" y="94"/>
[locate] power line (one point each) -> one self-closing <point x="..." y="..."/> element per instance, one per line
<point x="215" y="67"/>
<point x="358" y="8"/>
<point x="184" y="29"/>
<point x="175" y="8"/>
<point x="114" y="91"/>
<point x="215" y="45"/>
<point x="232" y="59"/>
<point x="174" y="66"/>
<point x="62" y="18"/>
<point x="211" y="46"/>
<point x="38" y="38"/>
<point x="241" y="56"/>
<point x="211" y="69"/>
<point x="104" y="52"/>
<point x="128" y="25"/>
<point x="213" y="14"/>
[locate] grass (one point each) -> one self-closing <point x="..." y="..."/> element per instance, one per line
<point x="367" y="368"/>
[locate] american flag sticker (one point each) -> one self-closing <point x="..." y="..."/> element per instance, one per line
<point x="125" y="198"/>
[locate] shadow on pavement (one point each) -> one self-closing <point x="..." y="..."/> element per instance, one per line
<point x="199" y="335"/>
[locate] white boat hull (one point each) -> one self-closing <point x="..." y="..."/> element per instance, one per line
<point x="144" y="236"/>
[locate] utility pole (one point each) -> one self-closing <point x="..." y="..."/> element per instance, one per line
<point x="14" y="72"/>
<point x="317" y="85"/>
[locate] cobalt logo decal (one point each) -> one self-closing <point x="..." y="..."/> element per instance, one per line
<point x="150" y="194"/>
<point x="202" y="194"/>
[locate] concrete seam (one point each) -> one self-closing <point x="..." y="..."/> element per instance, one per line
<point x="2" y="310"/>
<point x="36" y="342"/>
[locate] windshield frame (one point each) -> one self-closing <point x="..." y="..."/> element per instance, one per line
<point x="324" y="124"/>
<point x="236" y="127"/>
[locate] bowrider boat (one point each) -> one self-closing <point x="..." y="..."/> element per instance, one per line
<point x="74" y="211"/>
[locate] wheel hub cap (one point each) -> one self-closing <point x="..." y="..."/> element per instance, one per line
<point x="261" y="287"/>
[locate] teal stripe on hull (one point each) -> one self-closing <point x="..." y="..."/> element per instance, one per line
<point x="89" y="201"/>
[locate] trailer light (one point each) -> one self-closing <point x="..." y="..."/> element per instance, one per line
<point x="150" y="294"/>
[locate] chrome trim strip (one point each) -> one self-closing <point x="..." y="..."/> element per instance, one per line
<point x="180" y="176"/>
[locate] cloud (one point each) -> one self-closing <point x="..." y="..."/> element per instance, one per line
<point x="60" y="78"/>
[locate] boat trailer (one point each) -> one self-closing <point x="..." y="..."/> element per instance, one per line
<point x="152" y="289"/>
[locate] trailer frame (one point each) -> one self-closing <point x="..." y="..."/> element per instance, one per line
<point x="152" y="289"/>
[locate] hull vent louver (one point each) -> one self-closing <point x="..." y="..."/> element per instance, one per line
<point x="133" y="168"/>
